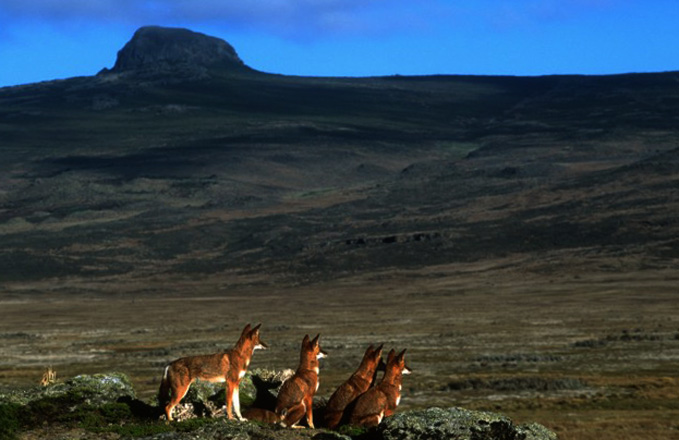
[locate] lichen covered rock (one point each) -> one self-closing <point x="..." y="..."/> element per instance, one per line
<point x="95" y="390"/>
<point x="459" y="424"/>
<point x="234" y="430"/>
<point x="105" y="403"/>
<point x="535" y="431"/>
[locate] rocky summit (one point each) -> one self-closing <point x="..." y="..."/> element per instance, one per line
<point x="155" y="48"/>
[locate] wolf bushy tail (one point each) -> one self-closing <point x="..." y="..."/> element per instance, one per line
<point x="164" y="391"/>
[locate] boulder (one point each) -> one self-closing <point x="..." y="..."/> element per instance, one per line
<point x="458" y="424"/>
<point x="95" y="390"/>
<point x="109" y="400"/>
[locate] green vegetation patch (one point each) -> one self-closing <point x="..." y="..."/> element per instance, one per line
<point x="10" y="420"/>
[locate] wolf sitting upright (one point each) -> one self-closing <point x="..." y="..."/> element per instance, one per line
<point x="381" y="401"/>
<point x="297" y="393"/>
<point x="363" y="378"/>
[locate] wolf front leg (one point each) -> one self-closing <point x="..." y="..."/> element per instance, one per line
<point x="309" y="404"/>
<point x="236" y="404"/>
<point x="229" y="388"/>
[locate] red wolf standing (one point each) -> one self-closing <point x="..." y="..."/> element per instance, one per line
<point x="296" y="396"/>
<point x="382" y="400"/>
<point x="359" y="382"/>
<point x="228" y="367"/>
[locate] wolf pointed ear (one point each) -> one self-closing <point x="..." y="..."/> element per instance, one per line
<point x="246" y="330"/>
<point x="305" y="341"/>
<point x="256" y="329"/>
<point x="391" y="355"/>
<point x="314" y="341"/>
<point x="401" y="355"/>
<point x="379" y="349"/>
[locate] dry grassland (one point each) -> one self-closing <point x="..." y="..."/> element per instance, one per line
<point x="590" y="356"/>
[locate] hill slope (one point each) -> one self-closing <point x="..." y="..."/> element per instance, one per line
<point x="250" y="177"/>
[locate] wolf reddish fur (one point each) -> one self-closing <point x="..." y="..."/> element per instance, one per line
<point x="359" y="382"/>
<point x="382" y="400"/>
<point x="229" y="367"/>
<point x="295" y="397"/>
<point x="262" y="415"/>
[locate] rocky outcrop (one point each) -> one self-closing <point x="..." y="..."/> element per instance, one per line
<point x="459" y="424"/>
<point x="105" y="403"/>
<point x="429" y="424"/>
<point x="95" y="390"/>
<point x="155" y="49"/>
<point x="82" y="400"/>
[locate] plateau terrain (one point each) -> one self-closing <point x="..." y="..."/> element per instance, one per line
<point x="518" y="235"/>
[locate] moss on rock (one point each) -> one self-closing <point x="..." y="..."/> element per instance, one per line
<point x="105" y="404"/>
<point x="97" y="390"/>
<point x="457" y="423"/>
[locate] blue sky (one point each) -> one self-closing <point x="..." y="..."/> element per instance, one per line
<point x="51" y="39"/>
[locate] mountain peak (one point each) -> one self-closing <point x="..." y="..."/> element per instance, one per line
<point x="156" y="48"/>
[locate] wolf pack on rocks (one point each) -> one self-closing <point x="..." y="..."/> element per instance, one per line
<point x="360" y="401"/>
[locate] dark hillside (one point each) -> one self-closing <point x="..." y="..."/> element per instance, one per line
<point x="132" y="172"/>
